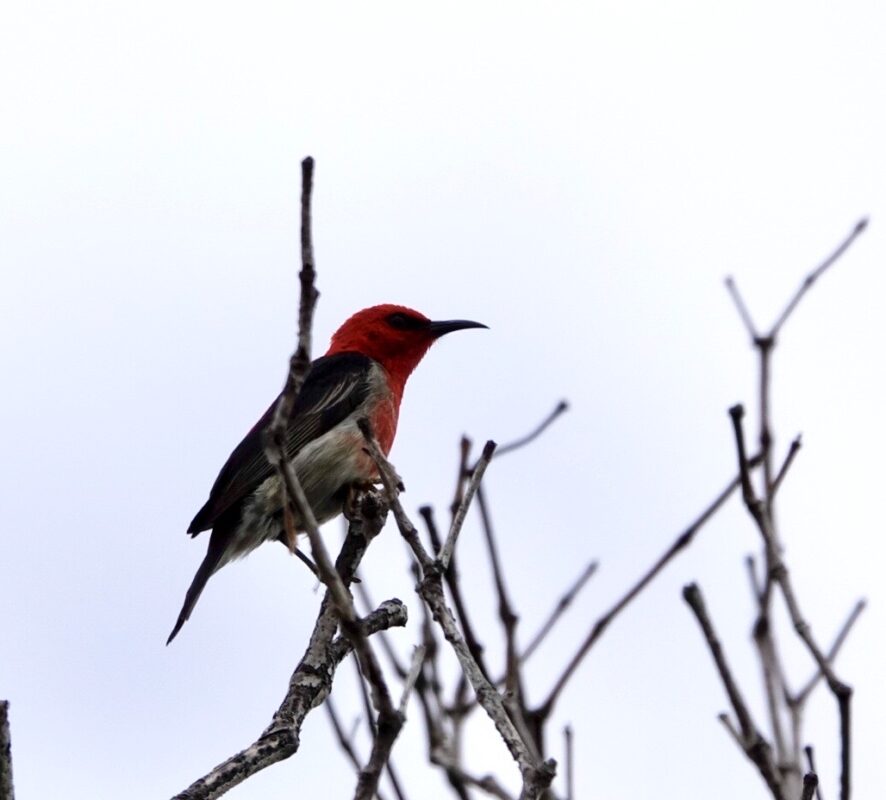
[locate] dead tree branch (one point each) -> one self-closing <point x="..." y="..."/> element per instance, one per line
<point x="755" y="746"/>
<point x="775" y="576"/>
<point x="559" y="409"/>
<point x="537" y="775"/>
<point x="599" y="627"/>
<point x="562" y="606"/>
<point x="6" y="786"/>
<point x="312" y="679"/>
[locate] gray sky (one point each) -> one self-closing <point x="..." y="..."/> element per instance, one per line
<point x="581" y="178"/>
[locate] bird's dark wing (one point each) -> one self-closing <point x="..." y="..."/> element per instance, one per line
<point x="334" y="387"/>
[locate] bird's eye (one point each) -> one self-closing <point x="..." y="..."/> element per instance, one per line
<point x="404" y="322"/>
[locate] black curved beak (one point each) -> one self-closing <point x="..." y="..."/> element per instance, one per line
<point x="439" y="329"/>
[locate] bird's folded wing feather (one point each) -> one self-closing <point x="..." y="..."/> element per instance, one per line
<point x="334" y="388"/>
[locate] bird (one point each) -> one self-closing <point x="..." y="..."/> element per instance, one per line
<point x="361" y="375"/>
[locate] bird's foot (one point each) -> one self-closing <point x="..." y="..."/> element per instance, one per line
<point x="351" y="507"/>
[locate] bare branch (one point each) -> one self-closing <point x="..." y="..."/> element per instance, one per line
<point x="736" y="413"/>
<point x="761" y="511"/>
<point x="789" y="459"/>
<point x="418" y="658"/>
<point x="537" y="776"/>
<point x="770" y="663"/>
<point x="459" y="518"/>
<point x="300" y="362"/>
<point x="562" y="605"/>
<point x="742" y="308"/>
<point x="559" y="409"/>
<point x="6" y="786"/>
<point x="813" y="276"/>
<point x="464" y="453"/>
<point x="841" y="691"/>
<point x="390" y="481"/>
<point x="682" y="541"/>
<point x="570" y="762"/>
<point x="730" y="727"/>
<point x="488" y="783"/>
<point x="506" y="612"/>
<point x="756" y="588"/>
<point x="385" y="643"/>
<point x="810" y="784"/>
<point x="312" y="678"/>
<point x="753" y="743"/>
<point x="344" y="740"/>
<point x="454" y="584"/>
<point x="810" y="760"/>
<point x="327" y="573"/>
<point x="832" y="653"/>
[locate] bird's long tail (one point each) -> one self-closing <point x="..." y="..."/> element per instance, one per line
<point x="213" y="561"/>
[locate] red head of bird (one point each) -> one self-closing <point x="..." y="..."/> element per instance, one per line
<point x="395" y="336"/>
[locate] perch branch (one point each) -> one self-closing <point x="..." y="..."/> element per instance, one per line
<point x="312" y="678"/>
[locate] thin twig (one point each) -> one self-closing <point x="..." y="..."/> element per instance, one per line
<point x="6" y="785"/>
<point x="753" y="743"/>
<point x="742" y="308"/>
<point x="390" y="723"/>
<point x="418" y="658"/>
<point x="561" y="407"/>
<point x="570" y="763"/>
<point x="458" y="520"/>
<point x="810" y="760"/>
<point x="681" y="542"/>
<point x="300" y="362"/>
<point x="488" y="783"/>
<point x="562" y="605"/>
<point x="810" y="784"/>
<point x="832" y="653"/>
<point x="789" y="459"/>
<point x="464" y="453"/>
<point x="390" y="481"/>
<point x="756" y="589"/>
<point x="841" y="691"/>
<point x="453" y="582"/>
<point x="813" y="276"/>
<point x="774" y="574"/>
<point x="761" y="512"/>
<point x="770" y="664"/>
<point x="344" y="740"/>
<point x="365" y="696"/>
<point x="727" y="722"/>
<point x="506" y="613"/>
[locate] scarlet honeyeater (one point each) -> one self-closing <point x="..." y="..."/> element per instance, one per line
<point x="362" y="374"/>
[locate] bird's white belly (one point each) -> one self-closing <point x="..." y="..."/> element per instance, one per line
<point x="325" y="468"/>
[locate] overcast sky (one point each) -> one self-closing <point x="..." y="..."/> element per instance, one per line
<point x="580" y="177"/>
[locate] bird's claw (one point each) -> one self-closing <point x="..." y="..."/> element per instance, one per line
<point x="351" y="507"/>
